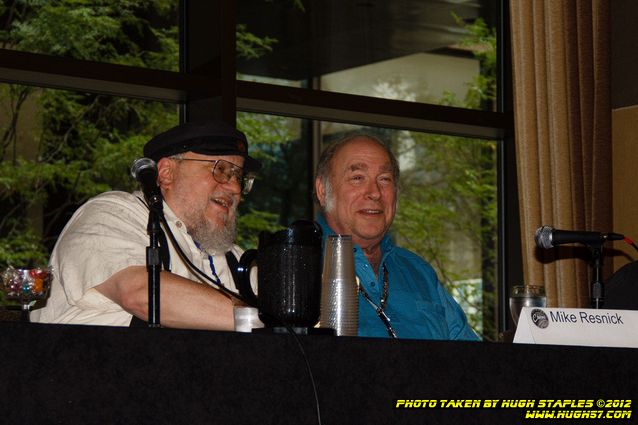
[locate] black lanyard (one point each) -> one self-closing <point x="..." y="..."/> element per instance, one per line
<point x="380" y="310"/>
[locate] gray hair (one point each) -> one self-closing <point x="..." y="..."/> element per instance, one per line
<point x="324" y="166"/>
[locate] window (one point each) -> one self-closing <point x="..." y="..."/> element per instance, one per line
<point x="294" y="74"/>
<point x="121" y="32"/>
<point x="418" y="51"/>
<point x="447" y="204"/>
<point x="59" y="149"/>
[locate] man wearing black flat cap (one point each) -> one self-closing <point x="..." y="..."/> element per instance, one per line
<point x="99" y="261"/>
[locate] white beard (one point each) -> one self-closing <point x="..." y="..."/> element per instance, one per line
<point x="213" y="239"/>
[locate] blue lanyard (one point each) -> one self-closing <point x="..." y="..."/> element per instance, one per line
<point x="212" y="267"/>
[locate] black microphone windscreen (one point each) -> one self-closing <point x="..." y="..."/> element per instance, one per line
<point x="543" y="237"/>
<point x="141" y="164"/>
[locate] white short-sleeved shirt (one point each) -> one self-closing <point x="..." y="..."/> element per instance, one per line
<point x="104" y="236"/>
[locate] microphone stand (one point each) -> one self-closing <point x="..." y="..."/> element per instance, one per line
<point x="597" y="291"/>
<point x="153" y="261"/>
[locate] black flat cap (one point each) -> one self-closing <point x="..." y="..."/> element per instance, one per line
<point x="205" y="137"/>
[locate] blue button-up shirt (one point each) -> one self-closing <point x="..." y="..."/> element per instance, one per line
<point x="418" y="306"/>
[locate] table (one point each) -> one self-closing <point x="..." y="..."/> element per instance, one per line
<point x="75" y="374"/>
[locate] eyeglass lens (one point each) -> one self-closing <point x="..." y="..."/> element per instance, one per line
<point x="223" y="171"/>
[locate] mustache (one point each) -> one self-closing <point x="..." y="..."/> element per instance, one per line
<point x="231" y="201"/>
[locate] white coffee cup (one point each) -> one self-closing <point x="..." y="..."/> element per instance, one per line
<point x="246" y="318"/>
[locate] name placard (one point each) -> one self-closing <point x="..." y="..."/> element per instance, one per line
<point x="578" y="326"/>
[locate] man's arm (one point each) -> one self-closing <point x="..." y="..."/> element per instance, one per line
<point x="183" y="303"/>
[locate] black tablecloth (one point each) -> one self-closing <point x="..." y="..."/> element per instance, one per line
<point x="101" y="375"/>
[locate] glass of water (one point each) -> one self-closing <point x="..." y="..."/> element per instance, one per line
<point x="526" y="296"/>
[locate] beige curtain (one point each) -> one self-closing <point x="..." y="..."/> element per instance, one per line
<point x="561" y="62"/>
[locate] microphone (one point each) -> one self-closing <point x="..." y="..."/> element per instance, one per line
<point x="547" y="237"/>
<point x="144" y="170"/>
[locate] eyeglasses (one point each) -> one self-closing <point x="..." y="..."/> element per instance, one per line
<point x="223" y="171"/>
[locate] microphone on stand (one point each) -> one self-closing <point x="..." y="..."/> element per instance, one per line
<point x="547" y="237"/>
<point x="144" y="170"/>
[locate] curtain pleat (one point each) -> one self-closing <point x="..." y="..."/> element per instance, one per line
<point x="560" y="53"/>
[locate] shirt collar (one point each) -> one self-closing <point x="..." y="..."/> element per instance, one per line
<point x="169" y="215"/>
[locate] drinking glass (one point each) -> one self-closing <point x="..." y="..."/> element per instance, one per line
<point x="526" y="296"/>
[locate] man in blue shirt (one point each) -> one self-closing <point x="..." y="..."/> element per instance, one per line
<point x="356" y="185"/>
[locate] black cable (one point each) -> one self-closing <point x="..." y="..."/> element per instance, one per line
<point x="195" y="269"/>
<point x="630" y="242"/>
<point x="228" y="292"/>
<point x="308" y="368"/>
